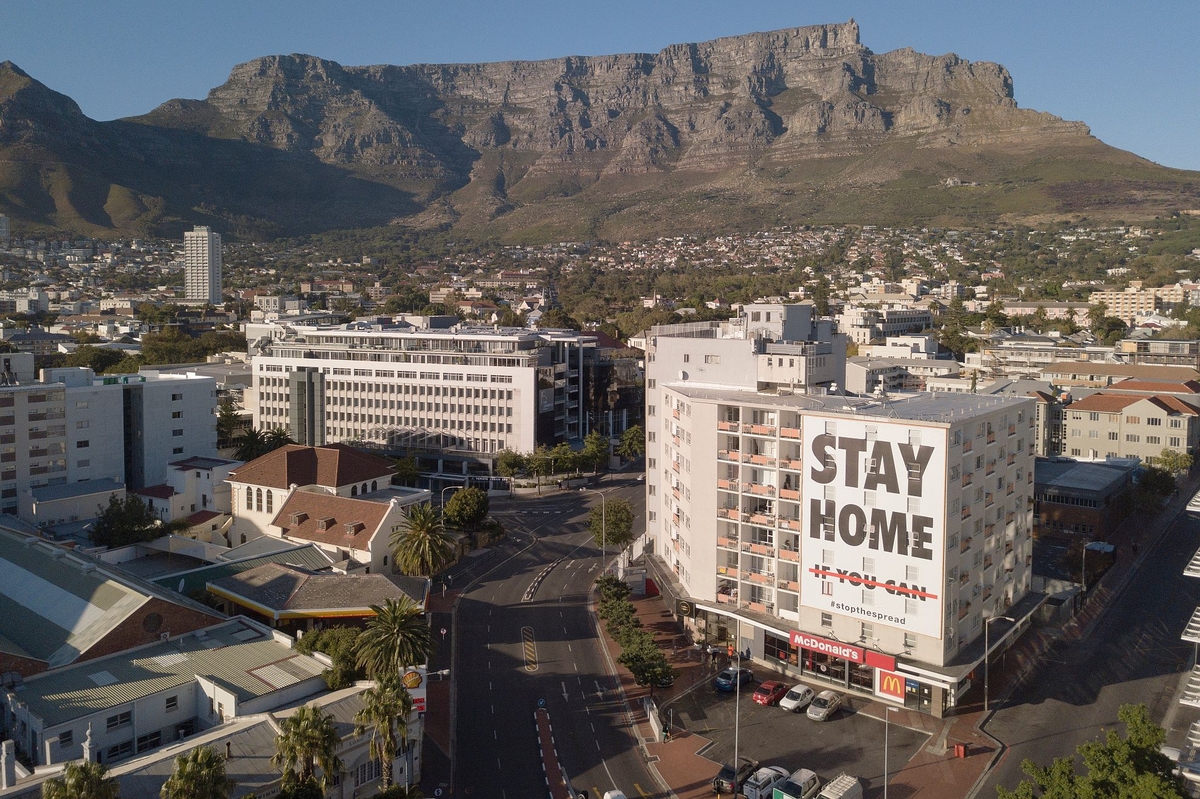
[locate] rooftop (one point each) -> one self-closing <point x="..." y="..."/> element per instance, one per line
<point x="81" y="488"/>
<point x="1081" y="476"/>
<point x="328" y="519"/>
<point x="1112" y="403"/>
<point x="919" y="406"/>
<point x="1140" y="371"/>
<point x="333" y="465"/>
<point x="186" y="582"/>
<point x="284" y="592"/>
<point x="200" y="462"/>
<point x="244" y="658"/>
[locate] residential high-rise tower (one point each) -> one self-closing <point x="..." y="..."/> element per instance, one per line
<point x="202" y="265"/>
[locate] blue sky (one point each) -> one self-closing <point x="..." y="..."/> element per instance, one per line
<point x="1129" y="70"/>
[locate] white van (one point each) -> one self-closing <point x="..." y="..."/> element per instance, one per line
<point x="803" y="784"/>
<point x="761" y="784"/>
<point x="843" y="786"/>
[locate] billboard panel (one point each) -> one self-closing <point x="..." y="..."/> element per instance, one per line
<point x="873" y="512"/>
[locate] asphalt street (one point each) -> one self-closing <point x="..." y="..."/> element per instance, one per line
<point x="1134" y="655"/>
<point x="515" y="654"/>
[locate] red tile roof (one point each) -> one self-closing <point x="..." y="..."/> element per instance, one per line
<point x="333" y="465"/>
<point x="346" y="522"/>
<point x="1114" y="403"/>
<point x="1156" y="386"/>
<point x="201" y="516"/>
<point x="162" y="491"/>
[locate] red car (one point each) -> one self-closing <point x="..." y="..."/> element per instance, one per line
<point x="769" y="692"/>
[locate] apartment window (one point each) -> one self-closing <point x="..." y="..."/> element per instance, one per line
<point x="1113" y="435"/>
<point x="119" y="720"/>
<point x="827" y="620"/>
<point x="82" y="424"/>
<point x="910" y="641"/>
<point x="66" y="739"/>
<point x="868" y="598"/>
<point x="712" y="359"/>
<point x="1154" y="421"/>
<point x="270" y="501"/>
<point x="172" y="703"/>
<point x="249" y="499"/>
<point x="81" y="404"/>
<point x="868" y="631"/>
<point x="1176" y="423"/>
<point x="1133" y="437"/>
<point x="176" y="397"/>
<point x="149" y="741"/>
<point x="1153" y="440"/>
<point x="83" y="444"/>
<point x="1093" y="434"/>
<point x="177" y="451"/>
<point x="258" y="499"/>
<point x="1174" y="441"/>
<point x="83" y="464"/>
<point x="687" y="358"/>
<point x="119" y="751"/>
<point x="1133" y="420"/>
<point x="176" y="414"/>
<point x="1093" y="417"/>
<point x="177" y="432"/>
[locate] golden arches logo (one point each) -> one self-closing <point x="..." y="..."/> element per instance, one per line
<point x="891" y="684"/>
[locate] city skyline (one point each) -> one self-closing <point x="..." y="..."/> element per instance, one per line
<point x="1115" y="69"/>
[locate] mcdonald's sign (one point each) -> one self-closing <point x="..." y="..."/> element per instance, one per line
<point x="888" y="683"/>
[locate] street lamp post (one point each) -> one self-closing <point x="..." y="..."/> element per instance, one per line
<point x="603" y="526"/>
<point x="886" y="726"/>
<point x="443" y="494"/>
<point x="987" y="659"/>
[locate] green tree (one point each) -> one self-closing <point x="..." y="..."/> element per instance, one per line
<point x="396" y="637"/>
<point x="406" y="473"/>
<point x="340" y="643"/>
<point x="1128" y="766"/>
<point x="594" y="456"/>
<point x="563" y="459"/>
<point x="633" y="443"/>
<point x="1174" y="462"/>
<point x="82" y="780"/>
<point x="1096" y="315"/>
<point x="508" y="463"/>
<point x="98" y="359"/>
<point x="308" y="789"/>
<point x="467" y="508"/>
<point x="645" y="661"/>
<point x="199" y="774"/>
<point x="558" y="318"/>
<point x="228" y="422"/>
<point x="307" y="740"/>
<point x="540" y="464"/>
<point x="384" y="714"/>
<point x="275" y="438"/>
<point x="420" y="545"/>
<point x="251" y="445"/>
<point x="130" y="521"/>
<point x="611" y="523"/>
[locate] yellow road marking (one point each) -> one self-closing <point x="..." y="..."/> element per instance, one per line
<point x="639" y="790"/>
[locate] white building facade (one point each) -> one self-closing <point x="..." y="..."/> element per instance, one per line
<point x="202" y="265"/>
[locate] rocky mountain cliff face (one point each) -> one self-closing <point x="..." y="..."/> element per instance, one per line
<point x="746" y="120"/>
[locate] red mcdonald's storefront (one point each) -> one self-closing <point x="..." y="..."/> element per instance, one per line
<point x="837" y="662"/>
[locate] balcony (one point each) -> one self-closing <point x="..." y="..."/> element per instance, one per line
<point x="727" y="543"/>
<point x="729" y="455"/>
<point x="675" y="493"/>
<point x="988" y="499"/>
<point x="759" y="429"/>
<point x="762" y="460"/>
<point x="675" y="466"/>
<point x="762" y="578"/>
<point x="789" y="585"/>
<point x="966" y="512"/>
<point x="759" y="607"/>
<point x="963" y="611"/>
<point x="789" y="432"/>
<point x="675" y="441"/>
<point x="991" y="438"/>
<point x="1012" y="459"/>
<point x="728" y="427"/>
<point x="726" y="599"/>
<point x="760" y="549"/>
<point x="967" y="478"/>
<point x="789" y="554"/>
<point x="967" y="445"/>
<point x="730" y="513"/>
<point x="788" y="493"/>
<point x="988" y="530"/>
<point x="795" y="464"/>
<point x="763" y="519"/>
<point x="675" y="412"/>
<point x="728" y="571"/>
<point x="791" y="524"/>
<point x="965" y="545"/>
<point x="1012" y="429"/>
<point x="761" y="489"/>
<point x="991" y="467"/>
<point x="728" y="485"/>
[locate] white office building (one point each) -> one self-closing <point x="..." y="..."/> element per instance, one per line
<point x="469" y="390"/>
<point x="860" y="543"/>
<point x="202" y="265"/>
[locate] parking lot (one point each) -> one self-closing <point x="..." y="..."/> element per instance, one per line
<point x="852" y="741"/>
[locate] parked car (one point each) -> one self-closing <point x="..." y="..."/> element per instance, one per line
<point x="723" y="782"/>
<point x="730" y="679"/>
<point x="825" y="706"/>
<point x="803" y="784"/>
<point x="761" y="784"/>
<point x="769" y="692"/>
<point x="843" y="786"/>
<point x="797" y="698"/>
<point x="614" y="795"/>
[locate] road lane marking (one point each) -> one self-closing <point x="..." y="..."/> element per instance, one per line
<point x="529" y="647"/>
<point x="565" y="697"/>
<point x="496" y="735"/>
<point x="569" y="649"/>
<point x="576" y="665"/>
<point x="639" y="790"/>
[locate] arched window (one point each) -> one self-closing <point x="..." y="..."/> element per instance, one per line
<point x="258" y="499"/>
<point x="270" y="501"/>
<point x="249" y="498"/>
<point x="364" y="488"/>
<point x="374" y="485"/>
<point x="354" y="491"/>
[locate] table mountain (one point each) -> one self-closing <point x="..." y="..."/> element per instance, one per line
<point x="796" y="125"/>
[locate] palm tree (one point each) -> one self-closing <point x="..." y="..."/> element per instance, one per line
<point x="420" y="544"/>
<point x="307" y="739"/>
<point x="199" y="774"/>
<point x="276" y="438"/>
<point x="82" y="780"/>
<point x="397" y="637"/>
<point x="384" y="713"/>
<point x="250" y="445"/>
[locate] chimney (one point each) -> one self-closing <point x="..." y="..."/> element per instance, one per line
<point x="8" y="765"/>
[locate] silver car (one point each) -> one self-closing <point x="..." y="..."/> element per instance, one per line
<point x="825" y="706"/>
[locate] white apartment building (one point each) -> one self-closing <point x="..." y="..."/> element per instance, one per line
<point x="168" y="417"/>
<point x="468" y="390"/>
<point x="33" y="440"/>
<point x="202" y="265"/>
<point x="864" y="324"/>
<point x="860" y="543"/>
<point x="95" y="425"/>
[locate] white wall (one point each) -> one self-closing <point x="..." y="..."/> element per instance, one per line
<point x="194" y="399"/>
